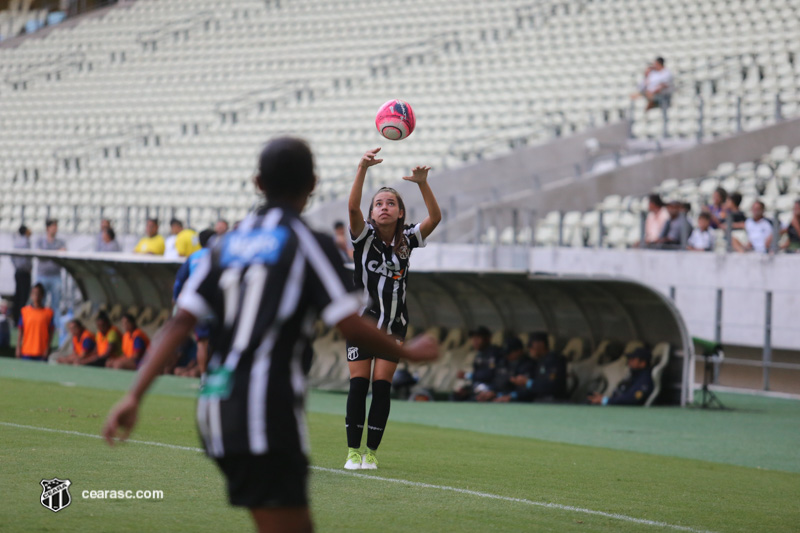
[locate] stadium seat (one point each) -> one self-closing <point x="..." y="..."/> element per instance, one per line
<point x="659" y="363"/>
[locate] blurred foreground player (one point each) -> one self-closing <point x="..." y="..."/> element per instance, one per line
<point x="265" y="283"/>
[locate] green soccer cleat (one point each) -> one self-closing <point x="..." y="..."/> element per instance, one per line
<point x="353" y="459"/>
<point x="369" y="461"/>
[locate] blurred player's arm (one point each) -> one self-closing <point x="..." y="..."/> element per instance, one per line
<point x="354" y="204"/>
<point x="419" y="175"/>
<point x="371" y="339"/>
<point x="165" y="344"/>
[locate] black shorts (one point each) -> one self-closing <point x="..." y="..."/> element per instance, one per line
<point x="277" y="479"/>
<point x="399" y="329"/>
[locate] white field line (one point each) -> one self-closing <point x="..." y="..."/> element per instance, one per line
<point x="486" y="495"/>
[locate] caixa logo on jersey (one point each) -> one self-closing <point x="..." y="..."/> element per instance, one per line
<point x="55" y="493"/>
<point x="254" y="246"/>
<point x="386" y="268"/>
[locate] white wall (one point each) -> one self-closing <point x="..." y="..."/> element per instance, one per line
<point x="695" y="276"/>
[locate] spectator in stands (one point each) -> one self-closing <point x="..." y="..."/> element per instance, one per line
<point x="657" y="217"/>
<point x="22" y="272"/>
<point x="716" y="209"/>
<point x="702" y="237"/>
<point x="108" y="340"/>
<point x="548" y="378"/>
<point x="152" y="243"/>
<point x="175" y="227"/>
<point x="733" y="212"/>
<point x="104" y="225"/>
<point x="343" y="242"/>
<point x="221" y="227"/>
<point x="515" y="369"/>
<point x="108" y="241"/>
<point x="657" y="85"/>
<point x="483" y="365"/>
<point x="182" y="243"/>
<point x="48" y="272"/>
<point x="636" y="389"/>
<point x="792" y="229"/>
<point x="759" y="231"/>
<point x="36" y="328"/>
<point x="677" y="229"/>
<point x="134" y="345"/>
<point x="83" y="344"/>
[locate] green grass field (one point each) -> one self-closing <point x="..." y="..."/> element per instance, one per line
<point x="444" y="467"/>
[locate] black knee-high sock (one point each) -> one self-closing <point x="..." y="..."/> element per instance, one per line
<point x="378" y="412"/>
<point x="356" y="411"/>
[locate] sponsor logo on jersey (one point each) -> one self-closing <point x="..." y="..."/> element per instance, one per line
<point x="386" y="268"/>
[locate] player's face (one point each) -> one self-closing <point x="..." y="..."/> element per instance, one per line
<point x="74" y="329"/>
<point x="36" y="296"/>
<point x="126" y="324"/>
<point x="385" y="208"/>
<point x="102" y="326"/>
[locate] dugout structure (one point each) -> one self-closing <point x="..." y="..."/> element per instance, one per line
<point x="593" y="309"/>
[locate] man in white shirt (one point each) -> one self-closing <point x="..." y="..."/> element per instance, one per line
<point x="657" y="85"/>
<point x="702" y="237"/>
<point x="170" y="250"/>
<point x="759" y="230"/>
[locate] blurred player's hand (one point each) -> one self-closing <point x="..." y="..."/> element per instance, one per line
<point x="368" y="159"/>
<point x="122" y="419"/>
<point x="418" y="174"/>
<point x="422" y="348"/>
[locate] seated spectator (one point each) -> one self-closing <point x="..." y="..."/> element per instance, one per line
<point x="36" y="326"/>
<point x="792" y="229"/>
<point x="104" y="225"/>
<point x="512" y="371"/>
<point x="185" y="361"/>
<point x="134" y="344"/>
<point x="483" y="366"/>
<point x="657" y="217"/>
<point x="636" y="388"/>
<point x="152" y="243"/>
<point x="221" y="227"/>
<point x="548" y="378"/>
<point x="677" y="227"/>
<point x="702" y="237"/>
<point x="83" y="344"/>
<point x="108" y="241"/>
<point x="657" y="85"/>
<point x="108" y="341"/>
<point x="733" y="212"/>
<point x="343" y="243"/>
<point x="175" y="227"/>
<point x="716" y="209"/>
<point x="759" y="231"/>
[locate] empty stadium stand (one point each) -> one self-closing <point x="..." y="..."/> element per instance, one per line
<point x="158" y="107"/>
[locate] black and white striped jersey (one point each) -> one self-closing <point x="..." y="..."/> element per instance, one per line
<point x="265" y="284"/>
<point x="382" y="274"/>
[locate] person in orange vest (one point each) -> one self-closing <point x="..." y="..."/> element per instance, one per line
<point x="134" y="345"/>
<point x="109" y="342"/>
<point x="83" y="344"/>
<point x="36" y="328"/>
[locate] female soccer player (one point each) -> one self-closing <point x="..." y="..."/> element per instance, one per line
<point x="263" y="283"/>
<point x="382" y="245"/>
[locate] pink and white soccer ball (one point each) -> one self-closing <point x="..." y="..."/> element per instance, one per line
<point x="395" y="120"/>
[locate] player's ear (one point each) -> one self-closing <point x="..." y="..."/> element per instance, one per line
<point x="257" y="182"/>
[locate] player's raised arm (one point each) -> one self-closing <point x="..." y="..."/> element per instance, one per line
<point x="354" y="205"/>
<point x="123" y="415"/>
<point x="419" y="175"/>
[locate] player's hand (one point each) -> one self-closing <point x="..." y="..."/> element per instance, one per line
<point x="122" y="419"/>
<point x="418" y="174"/>
<point x="595" y="398"/>
<point x="502" y="399"/>
<point x="368" y="159"/>
<point x="422" y="348"/>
